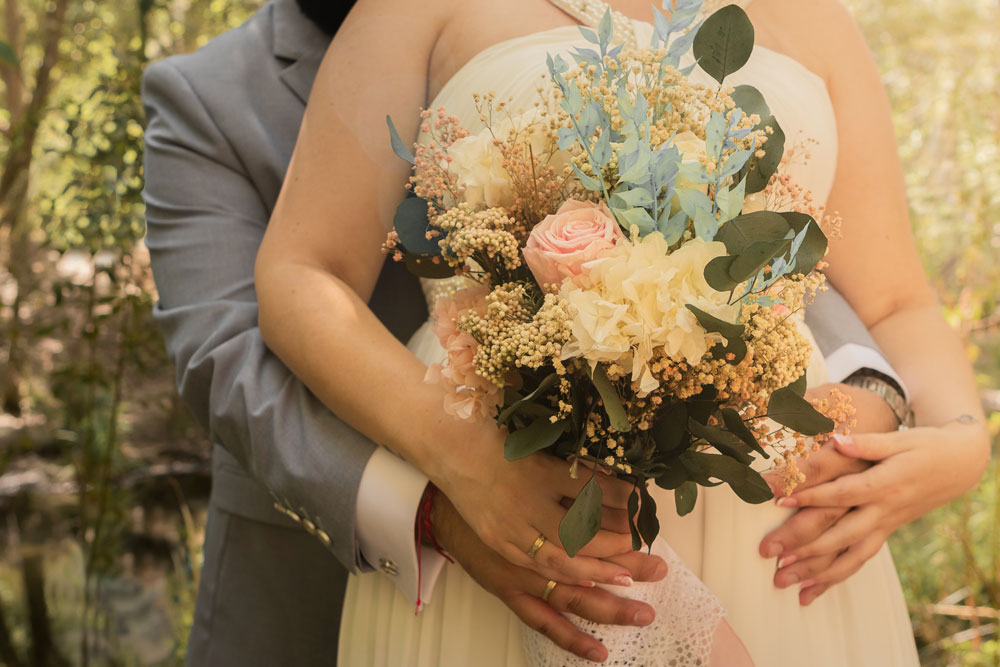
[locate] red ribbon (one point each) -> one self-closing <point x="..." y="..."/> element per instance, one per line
<point x="426" y="529"/>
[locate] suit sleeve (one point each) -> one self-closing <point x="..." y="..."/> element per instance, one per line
<point x="205" y="222"/>
<point x="843" y="339"/>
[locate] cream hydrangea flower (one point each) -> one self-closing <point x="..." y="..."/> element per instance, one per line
<point x="633" y="300"/>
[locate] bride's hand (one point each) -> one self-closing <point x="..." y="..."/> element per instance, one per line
<point x="917" y="470"/>
<point x="521" y="589"/>
<point x="873" y="415"/>
<point x="510" y="503"/>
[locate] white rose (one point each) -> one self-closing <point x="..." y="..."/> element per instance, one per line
<point x="477" y="161"/>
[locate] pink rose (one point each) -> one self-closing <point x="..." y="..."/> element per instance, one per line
<point x="561" y="244"/>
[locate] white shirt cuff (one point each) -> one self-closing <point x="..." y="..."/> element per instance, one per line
<point x="852" y="357"/>
<point x="388" y="502"/>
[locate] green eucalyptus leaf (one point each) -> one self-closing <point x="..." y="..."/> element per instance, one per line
<point x="411" y="224"/>
<point x="814" y="246"/>
<point x="732" y="332"/>
<point x="547" y="383"/>
<point x="751" y="101"/>
<point x="704" y="405"/>
<point x="734" y="422"/>
<point x="612" y="401"/>
<point x="724" y="42"/>
<point x="670" y="428"/>
<point x="744" y="480"/>
<point x="755" y="257"/>
<point x="633" y="511"/>
<point x="672" y="476"/>
<point x="790" y="409"/>
<point x="582" y="520"/>
<point x="724" y="441"/>
<point x="646" y="522"/>
<point x="539" y="435"/>
<point x="717" y="274"/>
<point x="399" y="147"/>
<point x="685" y="497"/>
<point x="744" y="230"/>
<point x="758" y="171"/>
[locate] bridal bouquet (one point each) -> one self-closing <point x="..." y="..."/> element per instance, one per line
<point x="626" y="291"/>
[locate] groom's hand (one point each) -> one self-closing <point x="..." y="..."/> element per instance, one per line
<point x="810" y="523"/>
<point x="521" y="589"/>
<point x="511" y="505"/>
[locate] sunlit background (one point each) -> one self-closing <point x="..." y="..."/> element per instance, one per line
<point x="104" y="479"/>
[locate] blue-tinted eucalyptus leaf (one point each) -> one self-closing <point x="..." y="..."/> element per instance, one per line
<point x="672" y="227"/>
<point x="639" y="171"/>
<point x="604" y="30"/>
<point x="693" y="201"/>
<point x="602" y="148"/>
<point x="573" y="99"/>
<point x="715" y="133"/>
<point x="616" y="51"/>
<point x="636" y="216"/>
<point x="705" y="224"/>
<point x="589" y="35"/>
<point x="694" y="172"/>
<point x="633" y="197"/>
<point x="567" y="137"/>
<point x="681" y="45"/>
<point x="398" y="146"/>
<point x="588" y="57"/>
<point x="730" y="200"/>
<point x="734" y="163"/>
<point x="666" y="165"/>
<point x="588" y="182"/>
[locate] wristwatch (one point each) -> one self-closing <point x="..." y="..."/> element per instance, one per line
<point x="888" y="389"/>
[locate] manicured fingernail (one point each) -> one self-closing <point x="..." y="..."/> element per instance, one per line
<point x="642" y="617"/>
<point x="806" y="584"/>
<point x="588" y="584"/>
<point x="596" y="656"/>
<point x="622" y="580"/>
<point x="786" y="561"/>
<point x="788" y="501"/>
<point x="773" y="550"/>
<point x="784" y="580"/>
<point x="843" y="440"/>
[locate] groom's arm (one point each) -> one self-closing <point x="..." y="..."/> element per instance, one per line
<point x="842" y="338"/>
<point x="205" y="222"/>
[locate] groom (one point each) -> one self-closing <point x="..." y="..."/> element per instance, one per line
<point x="298" y="497"/>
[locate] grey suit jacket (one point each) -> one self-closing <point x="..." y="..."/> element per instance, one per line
<point x="221" y="126"/>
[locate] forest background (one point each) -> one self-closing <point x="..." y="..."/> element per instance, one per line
<point x="104" y="477"/>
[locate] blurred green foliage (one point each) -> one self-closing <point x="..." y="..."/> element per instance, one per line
<point x="87" y="394"/>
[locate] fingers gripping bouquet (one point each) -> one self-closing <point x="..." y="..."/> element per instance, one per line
<point x="631" y="295"/>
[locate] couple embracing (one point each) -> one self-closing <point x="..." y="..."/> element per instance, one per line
<point x="342" y="488"/>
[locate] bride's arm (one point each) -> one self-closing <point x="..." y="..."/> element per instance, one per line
<point x="877" y="269"/>
<point x="318" y="265"/>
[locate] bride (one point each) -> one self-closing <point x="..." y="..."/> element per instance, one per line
<point x="320" y="259"/>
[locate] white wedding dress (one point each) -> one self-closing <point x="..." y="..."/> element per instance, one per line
<point x="862" y="622"/>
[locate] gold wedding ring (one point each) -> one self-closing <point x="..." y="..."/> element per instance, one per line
<point x="549" y="587"/>
<point x="536" y="545"/>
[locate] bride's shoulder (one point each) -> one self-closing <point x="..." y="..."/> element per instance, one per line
<point x="821" y="34"/>
<point x="417" y="21"/>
